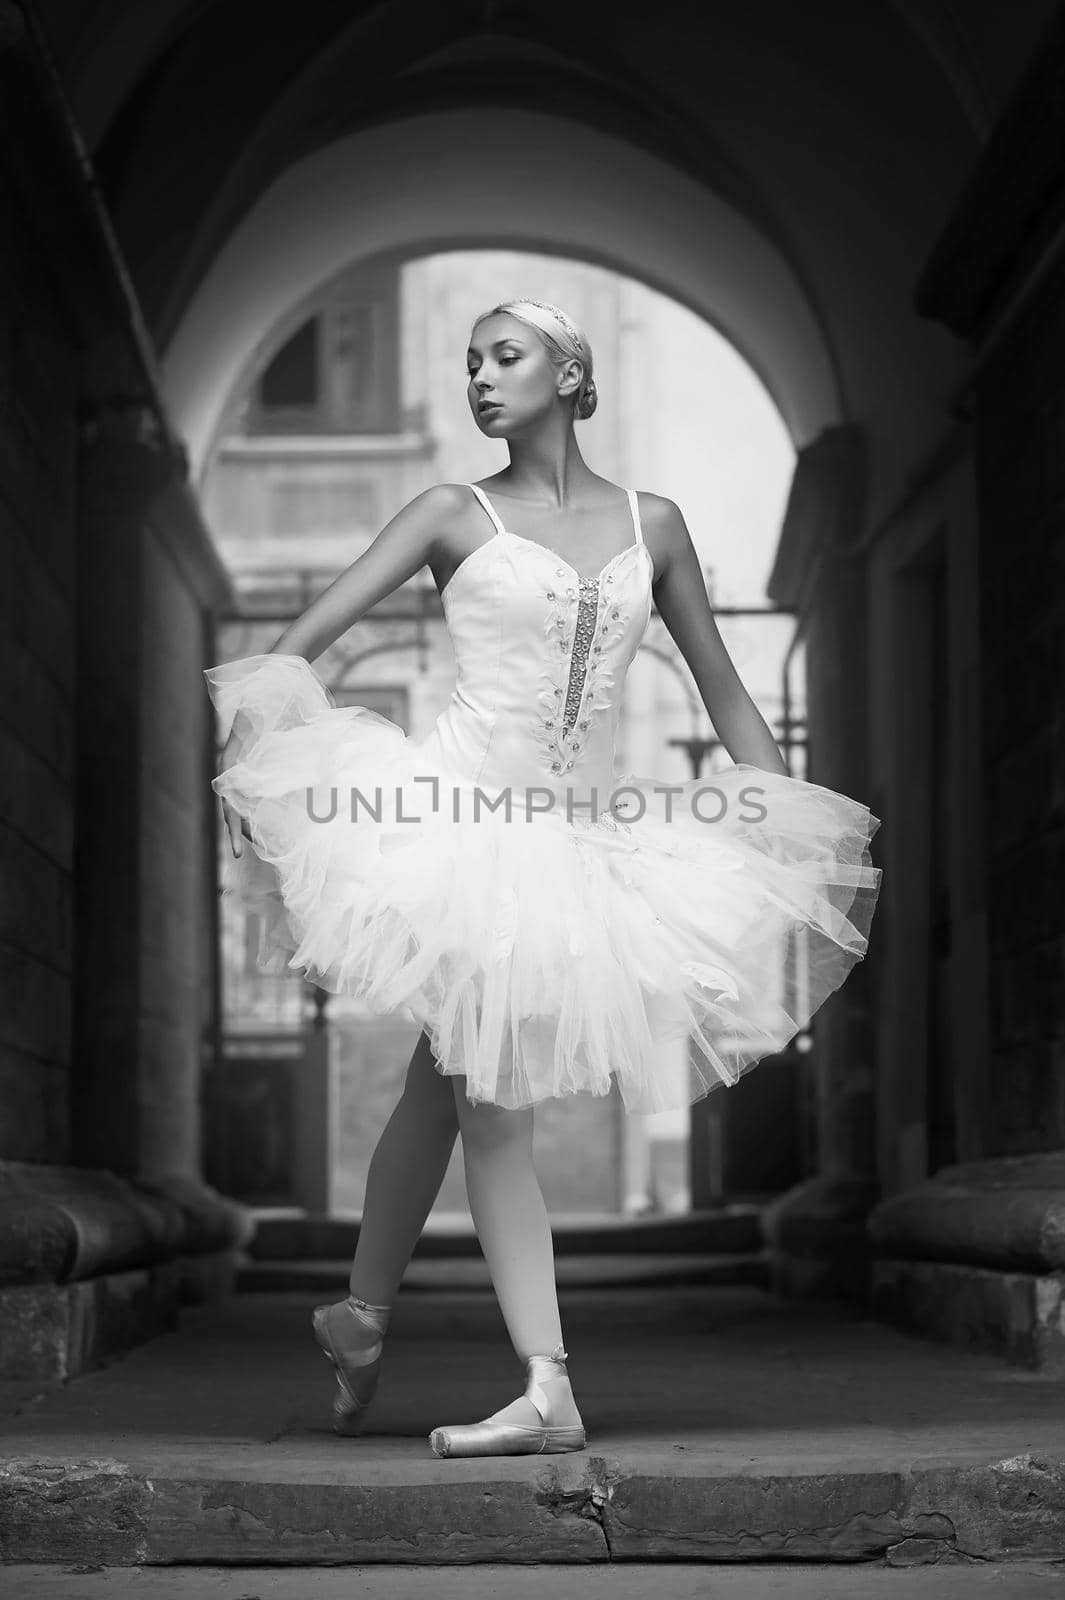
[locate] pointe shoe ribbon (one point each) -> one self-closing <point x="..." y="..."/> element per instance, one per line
<point x="358" y="1367"/>
<point x="504" y="1438"/>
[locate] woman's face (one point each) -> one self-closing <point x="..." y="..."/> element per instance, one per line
<point x="509" y="366"/>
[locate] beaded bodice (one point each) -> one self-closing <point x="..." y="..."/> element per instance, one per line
<point x="541" y="654"/>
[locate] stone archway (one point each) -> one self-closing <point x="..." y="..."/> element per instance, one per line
<point x="543" y="183"/>
<point x="430" y="183"/>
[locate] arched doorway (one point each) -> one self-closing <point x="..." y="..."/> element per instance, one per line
<point x="298" y="481"/>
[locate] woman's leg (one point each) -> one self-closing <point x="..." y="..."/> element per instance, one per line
<point x="406" y="1171"/>
<point x="514" y="1230"/>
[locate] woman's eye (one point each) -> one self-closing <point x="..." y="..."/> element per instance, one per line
<point x="504" y="361"/>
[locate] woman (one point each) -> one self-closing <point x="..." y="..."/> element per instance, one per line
<point x="549" y="944"/>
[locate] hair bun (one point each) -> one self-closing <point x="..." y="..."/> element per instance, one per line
<point x="587" y="399"/>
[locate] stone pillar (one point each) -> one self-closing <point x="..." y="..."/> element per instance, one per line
<point x="816" y="1231"/>
<point x="105" y="1225"/>
<point x="119" y="480"/>
<point x="147" y="582"/>
<point x="974" y="1254"/>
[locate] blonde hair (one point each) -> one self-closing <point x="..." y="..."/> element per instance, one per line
<point x="563" y="341"/>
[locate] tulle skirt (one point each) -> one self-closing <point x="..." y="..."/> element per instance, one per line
<point x="543" y="956"/>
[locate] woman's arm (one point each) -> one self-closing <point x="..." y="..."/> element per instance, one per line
<point x="401" y="549"/>
<point x="683" y="604"/>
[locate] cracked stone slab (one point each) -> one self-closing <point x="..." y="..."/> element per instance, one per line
<point x="1000" y="1511"/>
<point x="823" y="1517"/>
<point x="71" y="1509"/>
<point x="723" y="1427"/>
<point x="435" y="1523"/>
<point x="101" y="1510"/>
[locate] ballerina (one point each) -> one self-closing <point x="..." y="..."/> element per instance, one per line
<point x="549" y="918"/>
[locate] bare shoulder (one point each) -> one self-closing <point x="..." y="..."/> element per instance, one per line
<point x="439" y="511"/>
<point x="664" y="529"/>
<point x="443" y="499"/>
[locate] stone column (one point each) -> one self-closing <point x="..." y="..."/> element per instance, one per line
<point x="974" y="1253"/>
<point x="113" y="583"/>
<point x="816" y="1230"/>
<point x="147" y="580"/>
<point x="119" y="479"/>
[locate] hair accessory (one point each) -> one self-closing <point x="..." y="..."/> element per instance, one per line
<point x="560" y="316"/>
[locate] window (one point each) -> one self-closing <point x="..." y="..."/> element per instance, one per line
<point x="292" y="378"/>
<point x="338" y="373"/>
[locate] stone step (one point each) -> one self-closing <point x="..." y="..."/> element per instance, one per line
<point x="629" y="1580"/>
<point x="330" y="1278"/>
<point x="723" y="1426"/>
<point x="290" y="1236"/>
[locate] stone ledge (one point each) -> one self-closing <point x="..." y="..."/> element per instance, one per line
<point x="569" y="1512"/>
<point x="1008" y="1212"/>
<point x="976" y="1256"/>
<point x="1017" y="1315"/>
<point x="816" y="1234"/>
<point x="55" y="1331"/>
<point x="62" y="1224"/>
<point x="50" y="1332"/>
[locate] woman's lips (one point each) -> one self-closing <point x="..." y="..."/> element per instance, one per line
<point x="494" y="405"/>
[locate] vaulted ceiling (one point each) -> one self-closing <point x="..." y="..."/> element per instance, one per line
<point x="784" y="169"/>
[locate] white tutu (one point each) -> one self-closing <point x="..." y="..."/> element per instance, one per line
<point x="543" y="955"/>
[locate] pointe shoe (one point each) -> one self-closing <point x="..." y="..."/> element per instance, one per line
<point x="358" y="1366"/>
<point x="494" y="1437"/>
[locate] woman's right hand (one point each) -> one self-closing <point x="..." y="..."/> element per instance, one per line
<point x="236" y="826"/>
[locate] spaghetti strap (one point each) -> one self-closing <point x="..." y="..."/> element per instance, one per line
<point x="634" y="507"/>
<point x="488" y="506"/>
